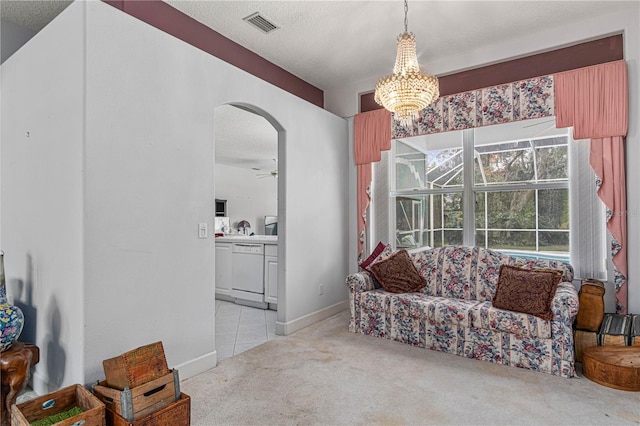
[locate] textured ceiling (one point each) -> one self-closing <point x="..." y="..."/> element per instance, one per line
<point x="33" y="14"/>
<point x="329" y="43"/>
<point x="332" y="43"/>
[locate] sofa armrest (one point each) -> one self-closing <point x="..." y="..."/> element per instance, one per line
<point x="565" y="303"/>
<point x="359" y="282"/>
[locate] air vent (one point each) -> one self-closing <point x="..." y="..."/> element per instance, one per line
<point x="261" y="22"/>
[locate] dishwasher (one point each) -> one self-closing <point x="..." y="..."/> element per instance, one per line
<point x="247" y="274"/>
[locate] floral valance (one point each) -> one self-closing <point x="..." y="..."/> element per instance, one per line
<point x="521" y="100"/>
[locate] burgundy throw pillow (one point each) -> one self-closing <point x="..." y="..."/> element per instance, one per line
<point x="398" y="274"/>
<point x="382" y="251"/>
<point x="529" y="291"/>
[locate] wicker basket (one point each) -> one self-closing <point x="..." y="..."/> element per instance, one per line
<point x="591" y="310"/>
<point x="584" y="339"/>
<point x="634" y="336"/>
<point x="615" y="330"/>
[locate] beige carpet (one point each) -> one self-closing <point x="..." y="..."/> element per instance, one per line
<point x="325" y="375"/>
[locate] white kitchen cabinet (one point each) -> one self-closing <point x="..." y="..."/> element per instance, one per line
<point x="271" y="273"/>
<point x="223" y="269"/>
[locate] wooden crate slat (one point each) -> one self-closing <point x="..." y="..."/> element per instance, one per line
<point x="138" y="402"/>
<point x="136" y="367"/>
<point x="177" y="413"/>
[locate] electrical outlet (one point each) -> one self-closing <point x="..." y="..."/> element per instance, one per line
<point x="202" y="230"/>
<point x="321" y="289"/>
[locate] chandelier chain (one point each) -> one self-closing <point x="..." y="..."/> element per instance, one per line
<point x="406" y="20"/>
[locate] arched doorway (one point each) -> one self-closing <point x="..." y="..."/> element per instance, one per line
<point x="249" y="183"/>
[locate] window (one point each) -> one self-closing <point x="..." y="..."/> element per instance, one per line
<point x="503" y="187"/>
<point x="521" y="193"/>
<point x="429" y="185"/>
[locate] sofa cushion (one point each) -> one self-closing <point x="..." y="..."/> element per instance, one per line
<point x="458" y="265"/>
<point x="437" y="310"/>
<point x="413" y="305"/>
<point x="409" y="314"/>
<point x="488" y="270"/>
<point x="527" y="263"/>
<point x="453" y="311"/>
<point x="529" y="291"/>
<point x="485" y="316"/>
<point x="397" y="274"/>
<point x="427" y="262"/>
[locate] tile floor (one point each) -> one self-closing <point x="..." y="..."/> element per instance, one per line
<point x="239" y="328"/>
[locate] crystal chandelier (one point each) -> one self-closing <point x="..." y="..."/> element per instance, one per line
<point x="407" y="90"/>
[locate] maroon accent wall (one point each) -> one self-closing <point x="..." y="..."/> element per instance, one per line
<point x="172" y="21"/>
<point x="568" y="58"/>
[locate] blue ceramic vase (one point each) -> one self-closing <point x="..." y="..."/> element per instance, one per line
<point x="11" y="317"/>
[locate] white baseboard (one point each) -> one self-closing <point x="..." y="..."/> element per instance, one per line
<point x="197" y="365"/>
<point x="286" y="328"/>
<point x="186" y="370"/>
<point x="40" y="383"/>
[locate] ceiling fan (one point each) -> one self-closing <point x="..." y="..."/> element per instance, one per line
<point x="273" y="173"/>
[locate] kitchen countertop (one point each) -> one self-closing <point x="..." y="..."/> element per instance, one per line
<point x="264" y="239"/>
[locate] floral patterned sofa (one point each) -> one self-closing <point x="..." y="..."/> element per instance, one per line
<point x="453" y="313"/>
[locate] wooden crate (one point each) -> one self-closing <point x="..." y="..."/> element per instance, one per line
<point x="177" y="413"/>
<point x="135" y="403"/>
<point x="584" y="339"/>
<point x="615" y="330"/>
<point x="136" y="367"/>
<point x="57" y="402"/>
<point x="634" y="336"/>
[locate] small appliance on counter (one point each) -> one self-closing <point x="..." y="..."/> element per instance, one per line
<point x="244" y="227"/>
<point x="221" y="225"/>
<point x="271" y="225"/>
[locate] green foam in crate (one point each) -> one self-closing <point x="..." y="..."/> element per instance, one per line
<point x="51" y="420"/>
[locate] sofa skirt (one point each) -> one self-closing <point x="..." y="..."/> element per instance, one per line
<point x="410" y="320"/>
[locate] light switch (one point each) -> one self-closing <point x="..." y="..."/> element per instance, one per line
<point x="202" y="230"/>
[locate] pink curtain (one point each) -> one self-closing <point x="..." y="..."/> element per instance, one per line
<point x="364" y="196"/>
<point x="372" y="134"/>
<point x="595" y="100"/>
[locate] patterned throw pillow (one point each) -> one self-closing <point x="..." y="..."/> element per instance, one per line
<point x="529" y="291"/>
<point x="398" y="274"/>
<point x="382" y="251"/>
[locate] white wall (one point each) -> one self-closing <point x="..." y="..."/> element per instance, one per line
<point x="343" y="100"/>
<point x="12" y="37"/>
<point x="42" y="195"/>
<point x="248" y="196"/>
<point x="148" y="103"/>
<point x="631" y="25"/>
